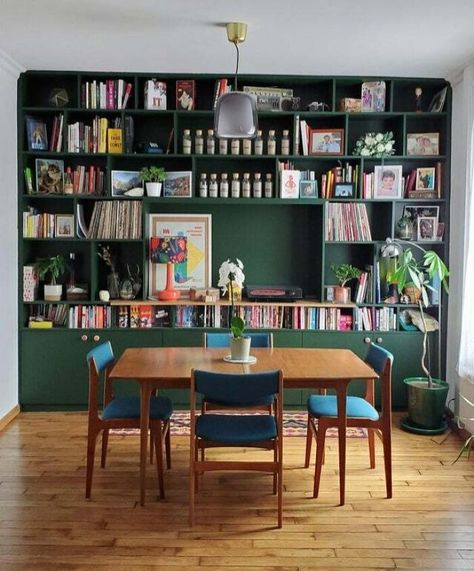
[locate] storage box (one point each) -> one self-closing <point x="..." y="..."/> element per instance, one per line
<point x="350" y="104"/>
<point x="197" y="294"/>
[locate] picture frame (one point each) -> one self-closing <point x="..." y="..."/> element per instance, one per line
<point x="64" y="226"/>
<point x="440" y="231"/>
<point x="49" y="176"/>
<point x="344" y="190"/>
<point x="290" y="184"/>
<point x="126" y="184"/>
<point x="425" y="178"/>
<point x="415" y="212"/>
<point x="388" y="182"/>
<point x="423" y="144"/>
<point x="37" y="134"/>
<point x="196" y="272"/>
<point x="178" y="184"/>
<point x="308" y="189"/>
<point x="437" y="103"/>
<point x="326" y="141"/>
<point x="373" y="96"/>
<point x="426" y="228"/>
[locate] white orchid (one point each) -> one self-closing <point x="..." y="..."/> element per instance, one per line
<point x="231" y="271"/>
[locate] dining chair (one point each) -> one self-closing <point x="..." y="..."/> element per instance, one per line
<point x="237" y="430"/>
<point x="121" y="412"/>
<point x="322" y="414"/>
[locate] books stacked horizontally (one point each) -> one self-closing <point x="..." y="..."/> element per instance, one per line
<point x="114" y="220"/>
<point x="108" y="94"/>
<point x="348" y="222"/>
<point x="82" y="138"/>
<point x="89" y="317"/>
<point x="38" y="224"/>
<point x="47" y="313"/>
<point x="375" y="319"/>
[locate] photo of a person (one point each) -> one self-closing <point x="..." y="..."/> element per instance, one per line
<point x="308" y="189"/>
<point x="423" y="144"/>
<point x="388" y="181"/>
<point x="425" y="178"/>
<point x="426" y="228"/>
<point x="323" y="142"/>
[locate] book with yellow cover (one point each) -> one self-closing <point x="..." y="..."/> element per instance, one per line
<point x="40" y="324"/>
<point x="114" y="140"/>
<point x="103" y="125"/>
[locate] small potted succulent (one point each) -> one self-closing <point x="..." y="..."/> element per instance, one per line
<point x="153" y="178"/>
<point x="54" y="266"/>
<point x="344" y="273"/>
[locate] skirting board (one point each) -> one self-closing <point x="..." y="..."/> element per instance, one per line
<point x="9" y="416"/>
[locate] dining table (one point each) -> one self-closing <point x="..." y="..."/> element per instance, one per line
<point x="155" y="368"/>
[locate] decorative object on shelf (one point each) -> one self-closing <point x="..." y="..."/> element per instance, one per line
<point x="104" y="295"/>
<point x="268" y="186"/>
<point x="178" y="184"/>
<point x="246" y="186"/>
<point x="203" y="190"/>
<point x="317" y="107"/>
<point x="373" y="96"/>
<point x="126" y="184"/>
<point x="235" y="116"/>
<point x="404" y="228"/>
<point x="231" y="279"/>
<point x="257" y="185"/>
<point x="37" y="134"/>
<point x="58" y="97"/>
<point x="239" y="343"/>
<point x="187" y="142"/>
<point x="326" y="141"/>
<point x="418" y="99"/>
<point x="155" y="94"/>
<point x="199" y="142"/>
<point x="55" y="267"/>
<point x="415" y="212"/>
<point x="350" y="105"/>
<point x="49" y="176"/>
<point x="113" y="281"/>
<point x="308" y="189"/>
<point x="426" y="228"/>
<point x="423" y="144"/>
<point x="210" y="142"/>
<point x="126" y="289"/>
<point x="437" y="103"/>
<point x="170" y="250"/>
<point x="30" y="283"/>
<point x="388" y="181"/>
<point x="185" y="94"/>
<point x="285" y="142"/>
<point x="153" y="178"/>
<point x="377" y="145"/>
<point x="344" y="273"/>
<point x="274" y="98"/>
<point x="426" y="396"/>
<point x="425" y="178"/>
<point x="64" y="226"/>
<point x="290" y="183"/>
<point x="224" y="186"/>
<point x="344" y="190"/>
<point x="271" y="143"/>
<point x="258" y="146"/>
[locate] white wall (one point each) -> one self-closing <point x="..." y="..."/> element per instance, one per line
<point x="8" y="237"/>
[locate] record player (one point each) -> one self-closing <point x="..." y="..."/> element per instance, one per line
<point x="273" y="293"/>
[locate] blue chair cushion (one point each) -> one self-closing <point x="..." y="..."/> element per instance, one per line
<point x="319" y="405"/>
<point x="129" y="407"/>
<point x="236" y="429"/>
<point x="264" y="401"/>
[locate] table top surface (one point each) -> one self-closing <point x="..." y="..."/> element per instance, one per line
<point x="173" y="365"/>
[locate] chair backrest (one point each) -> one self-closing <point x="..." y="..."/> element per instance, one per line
<point x="236" y="388"/>
<point x="381" y="362"/>
<point x="218" y="340"/>
<point x="102" y="355"/>
<point x="98" y="360"/>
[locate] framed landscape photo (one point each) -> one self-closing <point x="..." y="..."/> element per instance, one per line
<point x="126" y="183"/>
<point x="178" y="184"/>
<point x="344" y="190"/>
<point x="426" y="228"/>
<point x="49" y="176"/>
<point x="425" y="178"/>
<point x="326" y="142"/>
<point x="37" y="134"/>
<point x="308" y="189"/>
<point x="437" y="103"/>
<point x="64" y="226"/>
<point x="423" y="144"/>
<point x="388" y="181"/>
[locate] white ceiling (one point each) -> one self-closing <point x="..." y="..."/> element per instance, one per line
<point x="330" y="37"/>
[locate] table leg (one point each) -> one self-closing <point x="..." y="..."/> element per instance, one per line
<point x="342" y="424"/>
<point x="145" y="392"/>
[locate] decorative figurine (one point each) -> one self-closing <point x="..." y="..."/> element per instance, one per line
<point x="418" y="94"/>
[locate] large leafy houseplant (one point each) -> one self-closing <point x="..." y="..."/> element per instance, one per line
<point x="52" y="267"/>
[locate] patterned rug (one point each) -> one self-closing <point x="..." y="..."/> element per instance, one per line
<point x="294" y="424"/>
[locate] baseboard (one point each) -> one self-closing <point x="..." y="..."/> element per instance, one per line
<point x="9" y="416"/>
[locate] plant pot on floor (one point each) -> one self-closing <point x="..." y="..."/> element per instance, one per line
<point x="240" y="348"/>
<point x="342" y="294"/>
<point x="153" y="188"/>
<point x="53" y="292"/>
<point x="426" y="405"/>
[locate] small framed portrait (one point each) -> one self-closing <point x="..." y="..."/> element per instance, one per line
<point x="178" y="184"/>
<point x="440" y="231"/>
<point x="326" y="142"/>
<point x="344" y="190"/>
<point x="49" y="176"/>
<point x="388" y="181"/>
<point x="64" y="226"/>
<point x="426" y="228"/>
<point x="37" y="134"/>
<point x="437" y="103"/>
<point x="308" y="189"/>
<point x="425" y="178"/>
<point x="126" y="184"/>
<point x="423" y="144"/>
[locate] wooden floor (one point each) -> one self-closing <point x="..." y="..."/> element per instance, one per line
<point x="46" y="524"/>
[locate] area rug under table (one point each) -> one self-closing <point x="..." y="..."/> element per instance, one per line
<point x="294" y="424"/>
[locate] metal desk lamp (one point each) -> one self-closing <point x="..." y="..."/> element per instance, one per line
<point x="235" y="116"/>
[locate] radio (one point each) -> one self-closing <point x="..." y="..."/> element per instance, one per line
<point x="273" y="293"/>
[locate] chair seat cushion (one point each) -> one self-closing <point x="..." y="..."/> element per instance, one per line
<point x="265" y="401"/>
<point x="319" y="405"/>
<point x="236" y="429"/>
<point x="129" y="407"/>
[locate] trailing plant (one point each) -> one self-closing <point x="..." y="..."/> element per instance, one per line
<point x="153" y="174"/>
<point x="345" y="273"/>
<point x="55" y="266"/>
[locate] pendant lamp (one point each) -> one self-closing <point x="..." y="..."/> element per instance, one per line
<point x="235" y="116"/>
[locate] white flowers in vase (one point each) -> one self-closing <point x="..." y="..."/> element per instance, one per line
<point x="231" y="273"/>
<point x="377" y="145"/>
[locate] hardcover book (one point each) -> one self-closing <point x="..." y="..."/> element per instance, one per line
<point x="155" y="94"/>
<point x="114" y="140"/>
<point x="185" y="94"/>
<point x="373" y="96"/>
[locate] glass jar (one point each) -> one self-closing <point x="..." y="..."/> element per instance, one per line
<point x="223" y="146"/>
<point x="203" y="186"/>
<point x="258" y="148"/>
<point x="187" y="142"/>
<point x="257" y="185"/>
<point x="213" y="186"/>
<point x="405" y="228"/>
<point x="268" y="186"/>
<point x="246" y="186"/>
<point x="210" y="142"/>
<point x="235" y="187"/>
<point x="224" y="186"/>
<point x="285" y="142"/>
<point x="246" y="147"/>
<point x="235" y="147"/>
<point x="199" y="143"/>
<point x="271" y="143"/>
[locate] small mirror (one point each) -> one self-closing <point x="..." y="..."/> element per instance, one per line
<point x="236" y="116"/>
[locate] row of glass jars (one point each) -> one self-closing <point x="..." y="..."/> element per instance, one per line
<point x="237" y="187"/>
<point x="211" y="146"/>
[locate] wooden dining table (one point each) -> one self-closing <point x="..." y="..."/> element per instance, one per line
<point x="303" y="368"/>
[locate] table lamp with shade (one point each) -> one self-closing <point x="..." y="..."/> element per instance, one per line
<point x="169" y="250"/>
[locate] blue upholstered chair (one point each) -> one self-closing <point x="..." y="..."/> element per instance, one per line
<point x="121" y="412"/>
<point x="237" y="430"/>
<point x="360" y="413"/>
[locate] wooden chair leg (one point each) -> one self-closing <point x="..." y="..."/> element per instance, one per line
<point x="320" y="440"/>
<point x="371" y="441"/>
<point x="159" y="458"/>
<point x="192" y="484"/>
<point x="387" y="458"/>
<point x="275" y="474"/>
<point x="168" y="446"/>
<point x="280" y="489"/>
<point x="105" y="442"/>
<point x="309" y="441"/>
<point x="91" y="442"/>
<point x="152" y="444"/>
<point x="196" y="456"/>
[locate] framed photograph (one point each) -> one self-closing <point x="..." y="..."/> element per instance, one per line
<point x="437" y="103"/>
<point x="308" y="189"/>
<point x="126" y="183"/>
<point x="388" y="181"/>
<point x="425" y="178"/>
<point x="64" y="226"/>
<point x="178" y="184"/>
<point x="49" y="176"/>
<point x="426" y="228"/>
<point x="373" y="96"/>
<point x="195" y="272"/>
<point x="415" y="212"/>
<point x="290" y="184"/>
<point x="37" y="134"/>
<point x="440" y="231"/>
<point x="344" y="190"/>
<point x="423" y="144"/>
<point x="326" y="141"/>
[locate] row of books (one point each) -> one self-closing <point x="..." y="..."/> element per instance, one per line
<point x="56" y="139"/>
<point x="221" y="87"/>
<point x="120" y="219"/>
<point x="44" y="315"/>
<point x="347" y="221"/>
<point x="88" y="180"/>
<point x="90" y="317"/>
<point x="338" y="176"/>
<point x="364" y="290"/>
<point x="38" y="224"/>
<point x="375" y="319"/>
<point x="108" y="94"/>
<point x="82" y="138"/>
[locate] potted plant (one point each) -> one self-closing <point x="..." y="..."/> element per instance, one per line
<point x="54" y="266"/>
<point x="344" y="274"/>
<point x="153" y="178"/>
<point x="426" y="395"/>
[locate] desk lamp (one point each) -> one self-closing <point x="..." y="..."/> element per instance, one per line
<point x="170" y="250"/>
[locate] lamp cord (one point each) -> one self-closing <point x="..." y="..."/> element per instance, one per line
<point x="236" y="66"/>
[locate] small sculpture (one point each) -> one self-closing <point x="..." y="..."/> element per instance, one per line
<point x="418" y="94"/>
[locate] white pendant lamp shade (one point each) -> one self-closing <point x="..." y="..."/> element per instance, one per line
<point x="236" y="116"/>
